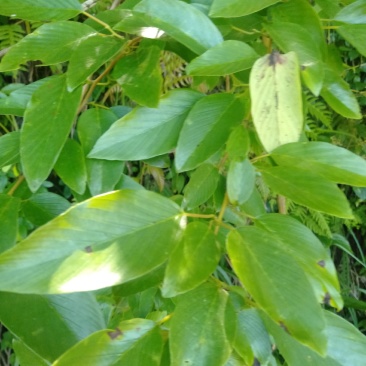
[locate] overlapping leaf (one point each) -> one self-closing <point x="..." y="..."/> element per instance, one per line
<point x="9" y="148"/>
<point x="109" y="239"/>
<point x="236" y="8"/>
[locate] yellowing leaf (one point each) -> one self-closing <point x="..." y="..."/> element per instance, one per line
<point x="276" y="99"/>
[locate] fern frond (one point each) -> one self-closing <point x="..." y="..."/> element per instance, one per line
<point x="10" y="34"/>
<point x="318" y="110"/>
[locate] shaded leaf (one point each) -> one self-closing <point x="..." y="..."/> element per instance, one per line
<point x="226" y="58"/>
<point x="9" y="148"/>
<point x="41" y="9"/>
<point x="309" y="189"/>
<point x="277" y="284"/>
<point x="51" y="43"/>
<point x="47" y="122"/>
<point x="199" y="339"/>
<point x="9" y="207"/>
<point x="97" y="243"/>
<point x="275" y="90"/>
<point x="354" y="34"/>
<point x="237" y="146"/>
<point x="193" y="260"/>
<point x="206" y="129"/>
<point x="332" y="162"/>
<point x="130" y="138"/>
<point x="173" y="16"/>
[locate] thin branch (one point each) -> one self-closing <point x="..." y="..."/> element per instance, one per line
<point x="16" y="185"/>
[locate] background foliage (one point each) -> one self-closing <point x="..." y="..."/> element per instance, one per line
<point x="182" y="182"/>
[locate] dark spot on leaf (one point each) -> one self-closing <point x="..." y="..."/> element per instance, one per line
<point x="256" y="362"/>
<point x="88" y="249"/>
<point x="326" y="299"/>
<point x="283" y="326"/>
<point x="275" y="58"/>
<point x="302" y="67"/>
<point x="321" y="263"/>
<point x="113" y="335"/>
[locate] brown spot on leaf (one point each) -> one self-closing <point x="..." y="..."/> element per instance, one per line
<point x="283" y="326"/>
<point x="113" y="335"/>
<point x="88" y="249"/>
<point x="256" y="362"/>
<point x="326" y="299"/>
<point x="275" y="58"/>
<point x="321" y="263"/>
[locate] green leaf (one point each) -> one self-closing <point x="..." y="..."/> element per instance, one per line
<point x="114" y="347"/>
<point x="342" y="336"/>
<point x="131" y="137"/>
<point x="102" y="175"/>
<point x="237" y="146"/>
<point x="337" y="93"/>
<point x="329" y="7"/>
<point x="206" y="129"/>
<point x="354" y="34"/>
<point x="224" y="59"/>
<point x="173" y="16"/>
<point x="310" y="254"/>
<point x="254" y="205"/>
<point x="89" y="56"/>
<point x="27" y="356"/>
<point x="293" y="37"/>
<point x="70" y="166"/>
<point x="9" y="207"/>
<point x="201" y="186"/>
<point x="53" y="323"/>
<point x="97" y="243"/>
<point x="252" y="338"/>
<point x="43" y="10"/>
<point x="240" y="181"/>
<point x="193" y="260"/>
<point x="334" y="163"/>
<point x="140" y="76"/>
<point x="236" y="8"/>
<point x="277" y="284"/>
<point x="9" y="148"/>
<point x="353" y="13"/>
<point x="51" y="43"/>
<point x="47" y="122"/>
<point x="309" y="189"/>
<point x="275" y="90"/>
<point x="295" y="353"/>
<point x="197" y="334"/>
<point x="43" y="207"/>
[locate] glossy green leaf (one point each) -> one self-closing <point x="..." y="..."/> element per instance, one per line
<point x="130" y="138"/>
<point x="89" y="56"/>
<point x="332" y="162"/>
<point x="277" y="284"/>
<point x="309" y="189"/>
<point x="51" y="43"/>
<point x="47" y="122"/>
<point x="53" y="323"/>
<point x="193" y="260"/>
<point x="173" y="16"/>
<point x="237" y="146"/>
<point x="102" y="175"/>
<point x="275" y="90"/>
<point x="302" y="13"/>
<point x="43" y="207"/>
<point x="353" y="13"/>
<point x="9" y="207"/>
<point x="354" y="34"/>
<point x="342" y="336"/>
<point x="197" y="334"/>
<point x="295" y="353"/>
<point x="293" y="37"/>
<point x="206" y="129"/>
<point x="309" y="252"/>
<point x="337" y="93"/>
<point x="27" y="356"/>
<point x="252" y="339"/>
<point x="9" y="148"/>
<point x="201" y="186"/>
<point x="97" y="243"/>
<point x="240" y="181"/>
<point x="70" y="166"/>
<point x="224" y="59"/>
<point x="236" y="8"/>
<point x="140" y="76"/>
<point x="41" y="9"/>
<point x="110" y="347"/>
<point x="329" y="7"/>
